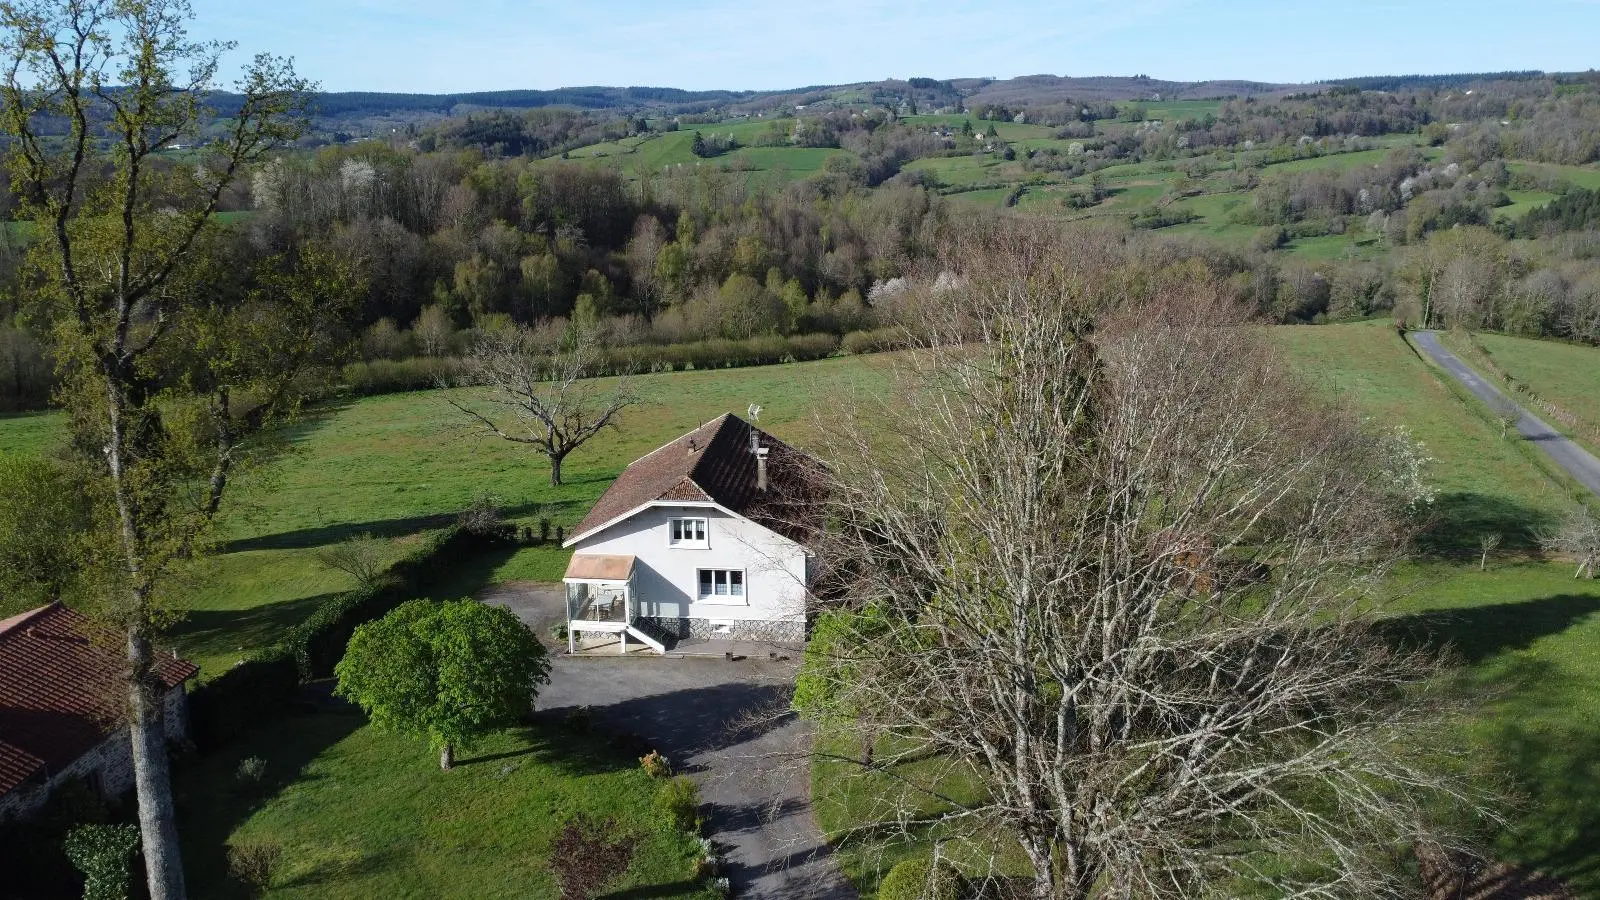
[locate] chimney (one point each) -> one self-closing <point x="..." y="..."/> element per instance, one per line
<point x="761" y="459"/>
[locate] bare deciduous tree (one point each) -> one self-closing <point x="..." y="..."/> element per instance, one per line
<point x="1098" y="585"/>
<point x="542" y="395"/>
<point x="1487" y="543"/>
<point x="363" y="557"/>
<point x="1578" y="535"/>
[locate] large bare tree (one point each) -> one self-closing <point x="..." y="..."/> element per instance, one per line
<point x="540" y="390"/>
<point x="1578" y="535"/>
<point x="1098" y="587"/>
<point x="164" y="377"/>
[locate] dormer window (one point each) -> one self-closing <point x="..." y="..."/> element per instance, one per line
<point x="688" y="533"/>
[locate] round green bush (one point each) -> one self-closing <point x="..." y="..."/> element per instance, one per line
<point x="912" y="879"/>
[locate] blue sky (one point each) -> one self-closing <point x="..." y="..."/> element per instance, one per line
<point x="435" y="47"/>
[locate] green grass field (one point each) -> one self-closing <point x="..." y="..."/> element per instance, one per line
<point x="1485" y="483"/>
<point x="400" y="464"/>
<point x="1567" y="375"/>
<point x="1582" y="176"/>
<point x="360" y="813"/>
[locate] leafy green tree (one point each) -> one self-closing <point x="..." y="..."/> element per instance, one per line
<point x="44" y="533"/>
<point x="453" y="672"/>
<point x="103" y="853"/>
<point x="164" y="372"/>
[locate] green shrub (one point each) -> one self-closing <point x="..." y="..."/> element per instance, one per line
<point x="251" y="772"/>
<point x="918" y="879"/>
<point x="386" y="376"/>
<point x="678" y="801"/>
<point x="253" y="864"/>
<point x="318" y="643"/>
<point x="265" y="684"/>
<point x="104" y="853"/>
<point x="878" y="340"/>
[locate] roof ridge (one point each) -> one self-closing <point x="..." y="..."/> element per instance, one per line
<point x="722" y="422"/>
<point x="14" y="624"/>
<point x="677" y="439"/>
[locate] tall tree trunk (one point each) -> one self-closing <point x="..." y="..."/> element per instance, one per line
<point x="158" y="829"/>
<point x="447" y="757"/>
<point x="158" y="825"/>
<point x="555" y="468"/>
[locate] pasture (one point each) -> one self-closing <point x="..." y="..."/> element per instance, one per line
<point x="398" y="465"/>
<point x="1567" y="375"/>
<point x="1527" y="635"/>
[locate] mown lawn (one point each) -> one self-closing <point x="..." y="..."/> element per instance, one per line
<point x="360" y="813"/>
<point x="400" y="464"/>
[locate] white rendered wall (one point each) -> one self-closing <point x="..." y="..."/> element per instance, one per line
<point x="666" y="579"/>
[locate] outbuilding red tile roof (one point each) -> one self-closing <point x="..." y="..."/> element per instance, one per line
<point x="713" y="463"/>
<point x="60" y="690"/>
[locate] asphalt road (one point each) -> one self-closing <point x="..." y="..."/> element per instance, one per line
<point x="725" y="724"/>
<point x="1578" y="462"/>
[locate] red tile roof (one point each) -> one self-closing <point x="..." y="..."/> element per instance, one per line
<point x="713" y="463"/>
<point x="60" y="690"/>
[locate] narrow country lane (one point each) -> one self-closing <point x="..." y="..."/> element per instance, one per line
<point x="1578" y="462"/>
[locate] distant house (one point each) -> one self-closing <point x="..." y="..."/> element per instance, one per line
<point x="704" y="538"/>
<point x="61" y="707"/>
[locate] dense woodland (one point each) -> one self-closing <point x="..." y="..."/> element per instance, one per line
<point x="476" y="221"/>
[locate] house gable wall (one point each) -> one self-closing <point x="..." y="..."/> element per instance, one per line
<point x="666" y="579"/>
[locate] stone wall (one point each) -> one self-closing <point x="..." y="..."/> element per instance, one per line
<point x="108" y="766"/>
<point x="777" y="631"/>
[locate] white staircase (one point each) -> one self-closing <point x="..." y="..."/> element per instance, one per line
<point x="634" y="631"/>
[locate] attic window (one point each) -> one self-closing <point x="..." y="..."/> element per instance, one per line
<point x="689" y="533"/>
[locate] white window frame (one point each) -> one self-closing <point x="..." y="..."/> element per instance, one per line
<point x="742" y="598"/>
<point x="681" y="528"/>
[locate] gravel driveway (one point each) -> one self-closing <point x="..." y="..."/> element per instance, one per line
<point x="723" y="723"/>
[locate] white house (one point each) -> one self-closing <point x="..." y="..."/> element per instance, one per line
<point x="702" y="538"/>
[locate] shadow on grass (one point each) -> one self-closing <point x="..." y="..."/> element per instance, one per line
<point x="1549" y="747"/>
<point x="219" y="631"/>
<point x="212" y="801"/>
<point x="643" y="892"/>
<point x="1477" y="633"/>
<point x="1459" y="520"/>
<point x="384" y="528"/>
<point x="469" y="576"/>
<point x="1537" y="727"/>
<point x="566" y="751"/>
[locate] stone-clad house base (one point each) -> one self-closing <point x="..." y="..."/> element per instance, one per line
<point x="777" y="631"/>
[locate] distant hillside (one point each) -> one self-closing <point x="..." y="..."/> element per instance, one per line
<point x="343" y="115"/>
<point x="1043" y="89"/>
